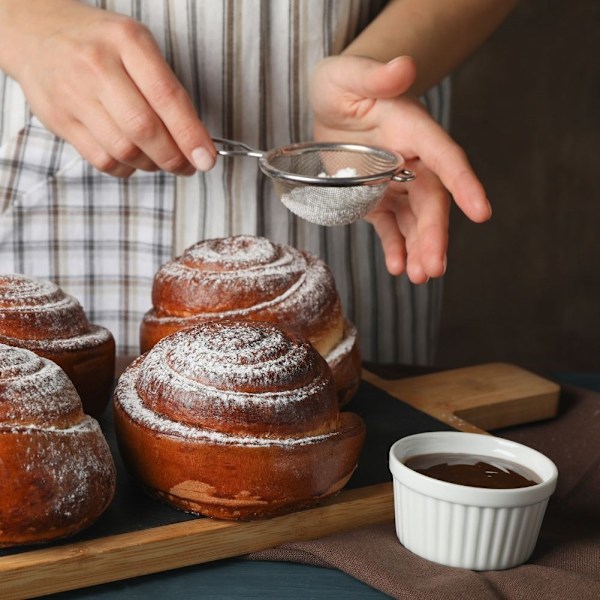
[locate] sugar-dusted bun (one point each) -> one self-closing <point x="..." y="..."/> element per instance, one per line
<point x="246" y="277"/>
<point x="36" y="314"/>
<point x="56" y="469"/>
<point x="344" y="362"/>
<point x="236" y="420"/>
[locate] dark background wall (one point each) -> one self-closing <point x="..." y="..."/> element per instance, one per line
<point x="525" y="287"/>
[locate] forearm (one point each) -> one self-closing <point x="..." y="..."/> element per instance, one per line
<point x="438" y="34"/>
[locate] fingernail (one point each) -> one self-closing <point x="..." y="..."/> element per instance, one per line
<point x="486" y="204"/>
<point x="405" y="58"/>
<point x="203" y="160"/>
<point x="445" y="264"/>
<point x="395" y="60"/>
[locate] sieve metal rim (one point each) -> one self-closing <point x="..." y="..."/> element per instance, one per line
<point x="393" y="174"/>
<point x="297" y="149"/>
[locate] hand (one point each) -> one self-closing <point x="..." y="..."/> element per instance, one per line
<point x="98" y="80"/>
<point x="357" y="99"/>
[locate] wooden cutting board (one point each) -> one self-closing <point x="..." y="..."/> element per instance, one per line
<point x="475" y="399"/>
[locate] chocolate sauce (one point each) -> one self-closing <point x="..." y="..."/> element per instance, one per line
<point x="473" y="470"/>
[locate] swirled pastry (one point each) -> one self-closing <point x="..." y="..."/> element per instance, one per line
<point x="56" y="469"/>
<point x="37" y="315"/>
<point x="245" y="277"/>
<point x="235" y="419"/>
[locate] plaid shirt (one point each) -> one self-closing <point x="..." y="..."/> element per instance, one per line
<point x="102" y="239"/>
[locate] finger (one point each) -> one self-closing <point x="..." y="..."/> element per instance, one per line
<point x="88" y="144"/>
<point x="448" y="161"/>
<point x="119" y="145"/>
<point x="170" y="101"/>
<point x="110" y="136"/>
<point x="430" y="204"/>
<point x="142" y="132"/>
<point x="392" y="241"/>
<point x="394" y="78"/>
<point x="408" y="227"/>
<point x="138" y="132"/>
<point x="414" y="268"/>
<point x="368" y="78"/>
<point x="94" y="153"/>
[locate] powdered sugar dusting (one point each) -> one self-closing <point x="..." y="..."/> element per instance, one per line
<point x="277" y="275"/>
<point x="15" y="362"/>
<point x="225" y="355"/>
<point x="127" y="397"/>
<point x="86" y="425"/>
<point x="344" y="172"/>
<point x="95" y="337"/>
<point x="33" y="389"/>
<point x="329" y="206"/>
<point x="218" y="380"/>
<point x="345" y="346"/>
<point x="74" y="464"/>
<point x="20" y="291"/>
<point x="37" y="314"/>
<point x="231" y="253"/>
<point x="206" y="365"/>
<point x="58" y="454"/>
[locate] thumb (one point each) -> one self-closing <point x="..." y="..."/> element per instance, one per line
<point x="370" y="78"/>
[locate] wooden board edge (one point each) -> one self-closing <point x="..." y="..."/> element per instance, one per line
<point x="479" y="413"/>
<point x="512" y="412"/>
<point x="102" y="560"/>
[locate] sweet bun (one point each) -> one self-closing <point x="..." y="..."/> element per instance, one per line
<point x="236" y="420"/>
<point x="56" y="469"/>
<point x="36" y="314"/>
<point x="246" y="277"/>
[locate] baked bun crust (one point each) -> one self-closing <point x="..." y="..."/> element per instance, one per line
<point x="56" y="468"/>
<point x="37" y="315"/>
<point x="252" y="278"/>
<point x="235" y="420"/>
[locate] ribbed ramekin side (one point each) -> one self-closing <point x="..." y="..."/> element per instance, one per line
<point x="471" y="537"/>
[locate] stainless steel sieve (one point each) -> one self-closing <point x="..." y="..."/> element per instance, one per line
<point x="325" y="183"/>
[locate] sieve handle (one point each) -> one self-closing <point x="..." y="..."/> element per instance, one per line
<point x="404" y="175"/>
<point x="242" y="149"/>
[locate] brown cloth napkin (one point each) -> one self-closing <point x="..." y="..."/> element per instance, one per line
<point x="566" y="560"/>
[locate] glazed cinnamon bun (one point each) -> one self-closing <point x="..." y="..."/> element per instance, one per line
<point x="36" y="314"/>
<point x="56" y="468"/>
<point x="246" y="277"/>
<point x="236" y="420"/>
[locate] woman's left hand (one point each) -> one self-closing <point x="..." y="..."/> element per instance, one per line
<point x="357" y="99"/>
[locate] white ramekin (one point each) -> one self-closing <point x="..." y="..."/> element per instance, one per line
<point x="462" y="526"/>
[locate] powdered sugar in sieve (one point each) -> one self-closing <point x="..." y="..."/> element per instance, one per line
<point x="300" y="175"/>
<point x="331" y="205"/>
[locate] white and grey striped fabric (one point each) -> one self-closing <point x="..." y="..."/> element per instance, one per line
<point x="246" y="65"/>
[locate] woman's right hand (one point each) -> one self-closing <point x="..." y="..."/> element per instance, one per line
<point x="98" y="80"/>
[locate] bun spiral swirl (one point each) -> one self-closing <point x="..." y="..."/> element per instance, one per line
<point x="57" y="471"/>
<point x="252" y="278"/>
<point x="240" y="419"/>
<point x="37" y="315"/>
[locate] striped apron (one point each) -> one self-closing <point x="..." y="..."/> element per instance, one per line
<point x="246" y="65"/>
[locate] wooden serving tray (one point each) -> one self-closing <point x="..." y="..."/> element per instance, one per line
<point x="475" y="399"/>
